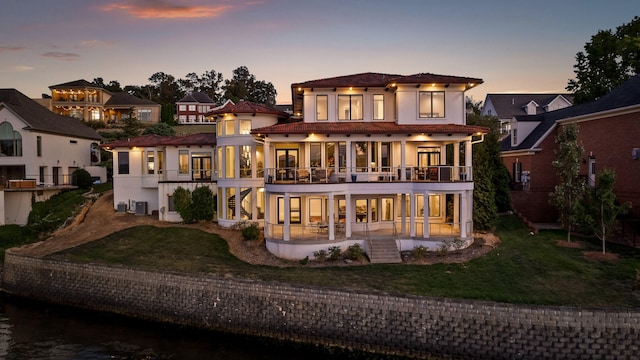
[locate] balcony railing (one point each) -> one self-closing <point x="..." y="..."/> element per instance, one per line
<point x="319" y="175"/>
<point x="320" y="231"/>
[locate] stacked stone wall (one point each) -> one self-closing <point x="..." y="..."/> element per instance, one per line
<point x="413" y="326"/>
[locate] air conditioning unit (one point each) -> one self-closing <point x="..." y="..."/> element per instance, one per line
<point x="122" y="207"/>
<point x="141" y="208"/>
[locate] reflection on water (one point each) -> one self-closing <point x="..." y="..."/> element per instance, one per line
<point x="33" y="330"/>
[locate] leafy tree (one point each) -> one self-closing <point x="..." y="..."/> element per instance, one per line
<point x="182" y="202"/>
<point x="607" y="61"/>
<point x="161" y="129"/>
<point x="113" y="86"/>
<point x="602" y="211"/>
<point x="202" y="203"/>
<point x="209" y="83"/>
<point x="165" y="89"/>
<point x="568" y="195"/>
<point x="244" y="86"/>
<point x="131" y="124"/>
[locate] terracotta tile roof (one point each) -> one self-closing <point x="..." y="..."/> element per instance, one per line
<point x="247" y="107"/>
<point x="39" y="118"/>
<point x="157" y="140"/>
<point x="301" y="127"/>
<point x="382" y="80"/>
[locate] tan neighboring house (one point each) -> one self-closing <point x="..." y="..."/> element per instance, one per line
<point x="39" y="151"/>
<point x="83" y="100"/>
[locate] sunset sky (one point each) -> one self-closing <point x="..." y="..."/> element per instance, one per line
<point x="515" y="46"/>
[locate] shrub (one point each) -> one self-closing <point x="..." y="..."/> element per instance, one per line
<point x="182" y="203"/>
<point x="251" y="232"/>
<point x="354" y="252"/>
<point x="320" y="255"/>
<point x="82" y="179"/>
<point x="335" y="253"/>
<point x="419" y="252"/>
<point x="202" y="203"/>
<point x="161" y="129"/>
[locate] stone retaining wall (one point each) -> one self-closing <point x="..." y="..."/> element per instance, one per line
<point x="414" y="326"/>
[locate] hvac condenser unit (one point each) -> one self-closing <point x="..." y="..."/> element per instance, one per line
<point x="141" y="208"/>
<point x="122" y="207"/>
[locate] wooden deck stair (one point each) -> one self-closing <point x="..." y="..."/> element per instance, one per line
<point x="383" y="251"/>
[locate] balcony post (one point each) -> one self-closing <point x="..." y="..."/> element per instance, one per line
<point x="287" y="219"/>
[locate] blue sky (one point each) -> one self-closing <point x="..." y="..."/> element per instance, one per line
<point x="515" y="46"/>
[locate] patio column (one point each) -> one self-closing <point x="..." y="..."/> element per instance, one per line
<point x="267" y="215"/>
<point x="468" y="159"/>
<point x="332" y="221"/>
<point x="403" y="213"/>
<point x="348" y="216"/>
<point x="403" y="161"/>
<point x="412" y="215"/>
<point x="464" y="213"/>
<point x="457" y="216"/>
<point x="425" y="215"/>
<point x="286" y="236"/>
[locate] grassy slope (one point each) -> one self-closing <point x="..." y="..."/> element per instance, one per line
<point x="523" y="269"/>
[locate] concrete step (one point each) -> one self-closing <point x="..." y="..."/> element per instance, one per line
<point x="383" y="251"/>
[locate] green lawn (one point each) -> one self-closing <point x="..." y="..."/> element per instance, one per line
<point x="523" y="269"/>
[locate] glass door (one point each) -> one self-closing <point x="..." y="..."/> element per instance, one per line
<point x="286" y="162"/>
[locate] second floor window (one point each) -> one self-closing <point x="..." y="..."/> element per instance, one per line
<point x="183" y="161"/>
<point x="431" y="104"/>
<point x="123" y="162"/>
<point x="245" y="127"/>
<point x="378" y="107"/>
<point x="322" y="107"/>
<point x="349" y="107"/>
<point x="39" y="146"/>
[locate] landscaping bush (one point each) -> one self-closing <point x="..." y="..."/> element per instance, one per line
<point x="182" y="203"/>
<point x="202" y="203"/>
<point x="320" y="255"/>
<point x="82" y="179"/>
<point x="251" y="232"/>
<point x="419" y="252"/>
<point x="354" y="252"/>
<point x="335" y="253"/>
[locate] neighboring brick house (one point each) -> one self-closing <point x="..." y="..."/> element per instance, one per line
<point x="609" y="132"/>
<point x="39" y="151"/>
<point x="506" y="106"/>
<point x="193" y="108"/>
<point x="83" y="100"/>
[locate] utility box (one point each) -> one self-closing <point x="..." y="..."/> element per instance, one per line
<point x="141" y="208"/>
<point x="122" y="207"/>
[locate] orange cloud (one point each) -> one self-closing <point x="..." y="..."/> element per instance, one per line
<point x="11" y="48"/>
<point x="146" y="9"/>
<point x="67" y="56"/>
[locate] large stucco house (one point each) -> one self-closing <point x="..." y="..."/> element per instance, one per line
<point x="372" y="159"/>
<point x="83" y="100"/>
<point x="39" y="151"/>
<point x="148" y="169"/>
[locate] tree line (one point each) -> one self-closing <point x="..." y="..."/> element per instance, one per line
<point x="165" y="89"/>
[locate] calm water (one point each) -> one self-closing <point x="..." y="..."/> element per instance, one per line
<point x="31" y="330"/>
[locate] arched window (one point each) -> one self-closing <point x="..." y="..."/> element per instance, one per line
<point x="10" y="141"/>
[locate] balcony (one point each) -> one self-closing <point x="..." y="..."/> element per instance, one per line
<point x="317" y="175"/>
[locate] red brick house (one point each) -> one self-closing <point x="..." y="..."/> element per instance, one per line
<point x="610" y="134"/>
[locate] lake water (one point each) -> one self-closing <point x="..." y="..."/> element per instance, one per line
<point x="33" y="330"/>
